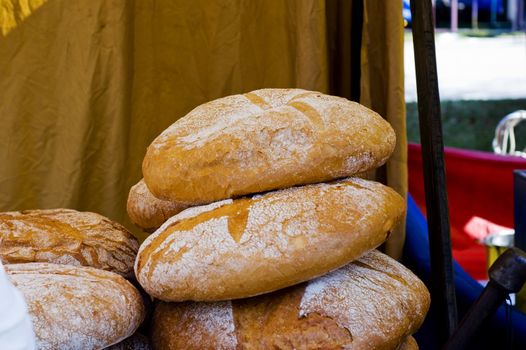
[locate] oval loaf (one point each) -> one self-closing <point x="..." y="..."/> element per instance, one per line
<point x="66" y="236"/>
<point x="372" y="303"/>
<point x="249" y="246"/>
<point x="77" y="307"/>
<point x="148" y="212"/>
<point x="264" y="140"/>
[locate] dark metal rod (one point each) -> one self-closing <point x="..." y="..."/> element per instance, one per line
<point x="442" y="288"/>
<point x="486" y="305"/>
<point x="519" y="207"/>
<point x="506" y="275"/>
<point x="519" y="212"/>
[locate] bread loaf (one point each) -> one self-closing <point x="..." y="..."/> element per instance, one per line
<point x="249" y="246"/>
<point x="373" y="303"/>
<point x="148" y="212"/>
<point x="264" y="140"/>
<point x="409" y="344"/>
<point x="66" y="236"/>
<point x="77" y="307"/>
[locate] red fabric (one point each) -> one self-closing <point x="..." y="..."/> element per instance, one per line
<point x="480" y="194"/>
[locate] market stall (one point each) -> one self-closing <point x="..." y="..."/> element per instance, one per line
<point x="98" y="95"/>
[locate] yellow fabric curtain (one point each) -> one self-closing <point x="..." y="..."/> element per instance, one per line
<point x="86" y="85"/>
<point x="383" y="91"/>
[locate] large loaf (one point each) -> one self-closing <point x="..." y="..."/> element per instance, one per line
<point x="75" y="307"/>
<point x="264" y="140"/>
<point x="249" y="246"/>
<point x="66" y="236"/>
<point x="372" y="303"/>
<point x="147" y="211"/>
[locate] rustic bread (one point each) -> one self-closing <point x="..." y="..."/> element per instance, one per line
<point x="66" y="236"/>
<point x="409" y="344"/>
<point x="264" y="140"/>
<point x="372" y="303"/>
<point x="148" y="212"/>
<point x="249" y="246"/>
<point x="74" y="307"/>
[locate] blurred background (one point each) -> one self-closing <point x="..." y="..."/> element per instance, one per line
<point x="481" y="58"/>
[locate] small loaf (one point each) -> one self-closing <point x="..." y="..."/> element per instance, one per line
<point x="148" y="212"/>
<point x="66" y="236"/>
<point x="264" y="140"/>
<point x="249" y="246"/>
<point x="372" y="303"/>
<point x="74" y="307"/>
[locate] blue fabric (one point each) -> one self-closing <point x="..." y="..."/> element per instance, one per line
<point x="496" y="334"/>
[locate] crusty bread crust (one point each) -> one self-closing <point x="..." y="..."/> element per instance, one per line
<point x="75" y="307"/>
<point x="249" y="246"/>
<point x="264" y="140"/>
<point x="66" y="236"/>
<point x="409" y="344"/>
<point x="148" y="212"/>
<point x="373" y="303"/>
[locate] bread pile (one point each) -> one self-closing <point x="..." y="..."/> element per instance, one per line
<point x="71" y="267"/>
<point x="264" y="238"/>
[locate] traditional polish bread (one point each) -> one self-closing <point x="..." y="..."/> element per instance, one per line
<point x="372" y="303"/>
<point x="66" y="236"/>
<point x="148" y="212"/>
<point x="75" y="307"/>
<point x="249" y="246"/>
<point x="264" y="140"/>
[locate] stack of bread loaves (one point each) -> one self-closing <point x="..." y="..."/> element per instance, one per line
<point x="266" y="178"/>
<point x="71" y="267"/>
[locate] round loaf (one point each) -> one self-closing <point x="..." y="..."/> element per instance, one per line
<point x="264" y="140"/>
<point x="66" y="236"/>
<point x="372" y="303"/>
<point x="148" y="212"/>
<point x="77" y="307"/>
<point x="409" y="344"/>
<point x="249" y="246"/>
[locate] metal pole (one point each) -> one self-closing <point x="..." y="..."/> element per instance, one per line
<point x="519" y="213"/>
<point x="493" y="13"/>
<point x="520" y="15"/>
<point x="475" y="14"/>
<point x="443" y="287"/>
<point x="454" y="15"/>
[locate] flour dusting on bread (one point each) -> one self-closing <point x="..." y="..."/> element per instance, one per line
<point x="208" y="260"/>
<point x="375" y="285"/>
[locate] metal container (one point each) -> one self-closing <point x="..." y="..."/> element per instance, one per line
<point x="496" y="243"/>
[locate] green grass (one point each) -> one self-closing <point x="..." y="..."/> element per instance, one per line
<point x="470" y="124"/>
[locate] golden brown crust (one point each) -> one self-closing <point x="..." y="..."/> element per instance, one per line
<point x="374" y="310"/>
<point x="66" y="236"/>
<point x="77" y="307"/>
<point x="249" y="246"/>
<point x="148" y="212"/>
<point x="408" y="344"/>
<point x="210" y="324"/>
<point x="264" y="140"/>
<point x="272" y="321"/>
